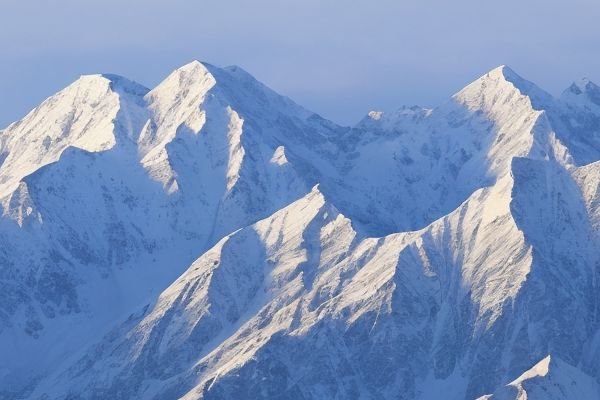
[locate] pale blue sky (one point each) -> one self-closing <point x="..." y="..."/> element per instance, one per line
<point x="338" y="58"/>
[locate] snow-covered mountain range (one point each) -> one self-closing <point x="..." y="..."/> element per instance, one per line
<point x="211" y="239"/>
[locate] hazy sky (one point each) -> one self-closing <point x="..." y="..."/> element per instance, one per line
<point x="338" y="58"/>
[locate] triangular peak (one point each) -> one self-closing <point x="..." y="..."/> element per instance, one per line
<point x="582" y="85"/>
<point x="301" y="212"/>
<point x="199" y="71"/>
<point x="189" y="85"/>
<point x="503" y="80"/>
<point x="582" y="91"/>
<point x="201" y="68"/>
<point x="540" y="369"/>
<point x="192" y="65"/>
<point x="193" y="78"/>
<point x="503" y="72"/>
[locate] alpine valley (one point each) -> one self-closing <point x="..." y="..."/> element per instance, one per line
<point x="211" y="239"/>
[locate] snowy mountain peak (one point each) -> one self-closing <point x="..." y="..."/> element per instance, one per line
<point x="540" y="369"/>
<point x="549" y="379"/>
<point x="104" y="81"/>
<point x="91" y="79"/>
<point x="583" y="93"/>
<point x="508" y="73"/>
<point x="583" y="85"/>
<point x="502" y="84"/>
<point x="184" y="87"/>
<point x="195" y="66"/>
<point x="187" y="75"/>
<point x="93" y="114"/>
<point x="503" y="71"/>
<point x="211" y="238"/>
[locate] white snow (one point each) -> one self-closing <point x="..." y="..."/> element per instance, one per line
<point x="210" y="238"/>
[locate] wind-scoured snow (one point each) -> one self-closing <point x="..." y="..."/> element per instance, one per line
<point x="211" y="239"/>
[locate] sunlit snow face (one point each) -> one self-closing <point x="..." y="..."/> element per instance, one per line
<point x="195" y="236"/>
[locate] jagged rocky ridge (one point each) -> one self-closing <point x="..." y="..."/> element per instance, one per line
<point x="209" y="238"/>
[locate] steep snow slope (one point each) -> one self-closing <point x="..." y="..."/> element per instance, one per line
<point x="405" y="170"/>
<point x="550" y="379"/>
<point x="211" y="140"/>
<point x="91" y="114"/>
<point x="299" y="305"/>
<point x="485" y="211"/>
<point x="96" y="221"/>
